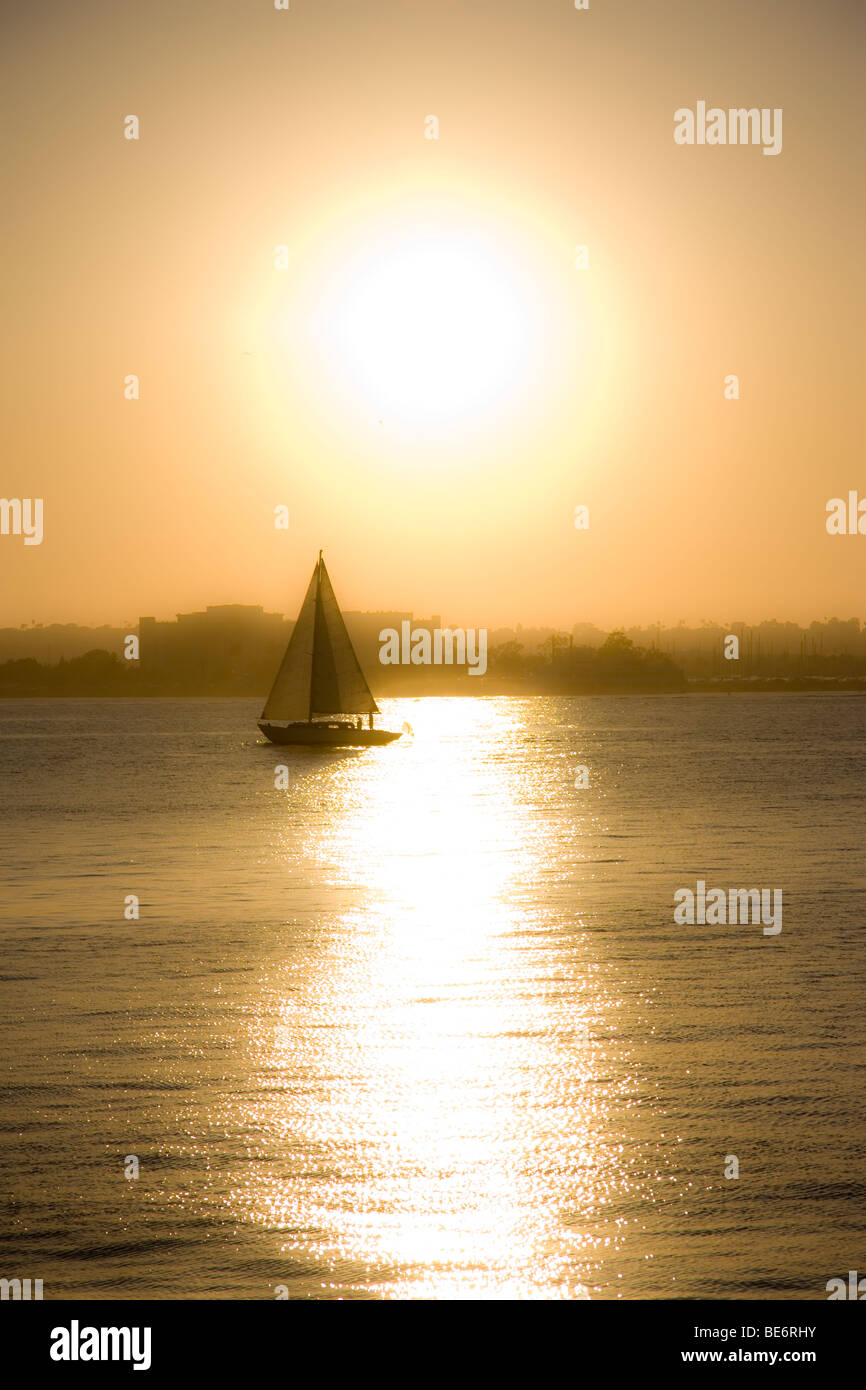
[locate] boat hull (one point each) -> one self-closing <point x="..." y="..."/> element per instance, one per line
<point x="327" y="735"/>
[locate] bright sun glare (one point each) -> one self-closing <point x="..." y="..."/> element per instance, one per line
<point x="431" y="331"/>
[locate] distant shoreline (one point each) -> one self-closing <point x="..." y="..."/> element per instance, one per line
<point x="479" y="691"/>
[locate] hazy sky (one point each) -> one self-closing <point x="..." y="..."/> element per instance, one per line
<point x="431" y="386"/>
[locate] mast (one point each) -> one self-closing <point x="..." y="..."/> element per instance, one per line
<point x="316" y="619"/>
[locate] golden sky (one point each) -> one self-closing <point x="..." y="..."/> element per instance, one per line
<point x="430" y="385"/>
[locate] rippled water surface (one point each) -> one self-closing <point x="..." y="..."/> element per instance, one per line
<point x="421" y="1024"/>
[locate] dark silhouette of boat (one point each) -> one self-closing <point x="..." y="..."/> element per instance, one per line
<point x="320" y="675"/>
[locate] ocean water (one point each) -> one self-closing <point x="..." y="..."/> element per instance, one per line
<point x="421" y="1024"/>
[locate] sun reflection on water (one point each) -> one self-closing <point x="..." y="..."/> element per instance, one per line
<point x="436" y="1089"/>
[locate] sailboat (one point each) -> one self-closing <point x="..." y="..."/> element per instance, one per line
<point x="320" y="675"/>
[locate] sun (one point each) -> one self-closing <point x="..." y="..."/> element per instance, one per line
<point x="429" y="330"/>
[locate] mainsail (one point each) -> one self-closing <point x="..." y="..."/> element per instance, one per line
<point x="320" y="673"/>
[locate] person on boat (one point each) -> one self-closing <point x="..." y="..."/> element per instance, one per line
<point x="370" y="720"/>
